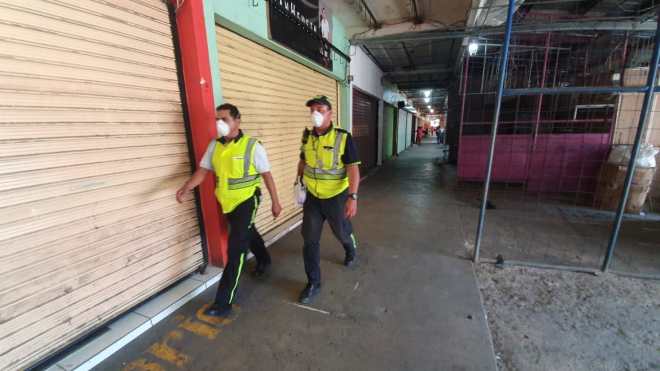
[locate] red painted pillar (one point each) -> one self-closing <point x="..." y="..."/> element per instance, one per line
<point x="201" y="112"/>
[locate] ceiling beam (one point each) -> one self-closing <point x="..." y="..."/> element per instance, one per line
<point x="418" y="71"/>
<point x="586" y="6"/>
<point x="436" y="93"/>
<point x="403" y="82"/>
<point x="387" y="54"/>
<point x="374" y="22"/>
<point x="421" y="96"/>
<point x="411" y="63"/>
<point x="444" y="34"/>
<point x="443" y="93"/>
<point x="421" y="85"/>
<point x="397" y="29"/>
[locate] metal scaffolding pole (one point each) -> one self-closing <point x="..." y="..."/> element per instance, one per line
<point x="496" y="117"/>
<point x="643" y="120"/>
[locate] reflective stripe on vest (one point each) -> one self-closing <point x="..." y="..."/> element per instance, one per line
<point x="247" y="180"/>
<point x="335" y="160"/>
<point x="316" y="173"/>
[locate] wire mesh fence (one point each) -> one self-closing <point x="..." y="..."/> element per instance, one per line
<point x="555" y="188"/>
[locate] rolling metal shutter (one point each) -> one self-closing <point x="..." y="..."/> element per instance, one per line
<point x="365" y="128"/>
<point x="92" y="150"/>
<point x="402" y="130"/>
<point x="409" y="128"/>
<point x="271" y="90"/>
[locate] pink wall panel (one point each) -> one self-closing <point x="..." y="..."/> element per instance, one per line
<point x="559" y="162"/>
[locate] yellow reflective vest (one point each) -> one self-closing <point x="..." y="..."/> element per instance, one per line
<point x="325" y="174"/>
<point x="236" y="177"/>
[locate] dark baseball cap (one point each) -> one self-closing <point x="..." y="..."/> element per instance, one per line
<point x="319" y="99"/>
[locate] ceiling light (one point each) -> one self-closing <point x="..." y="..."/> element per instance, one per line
<point x="432" y="111"/>
<point x="472" y="48"/>
<point x="427" y="100"/>
<point x="427" y="93"/>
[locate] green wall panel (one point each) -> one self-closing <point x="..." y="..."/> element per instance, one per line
<point x="388" y="132"/>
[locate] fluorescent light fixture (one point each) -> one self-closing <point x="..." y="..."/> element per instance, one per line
<point x="427" y="93"/>
<point x="473" y="47"/>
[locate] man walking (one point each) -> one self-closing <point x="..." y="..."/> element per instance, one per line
<point x="329" y="167"/>
<point x="239" y="162"/>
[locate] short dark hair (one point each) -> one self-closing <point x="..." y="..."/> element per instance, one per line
<point x="233" y="110"/>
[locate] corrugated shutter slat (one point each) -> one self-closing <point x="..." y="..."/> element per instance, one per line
<point x="92" y="150"/>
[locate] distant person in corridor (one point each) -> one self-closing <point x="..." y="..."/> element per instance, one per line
<point x="239" y="163"/>
<point x="329" y="168"/>
<point x="420" y="134"/>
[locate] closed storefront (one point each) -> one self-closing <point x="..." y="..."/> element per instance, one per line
<point x="413" y="129"/>
<point x="271" y="91"/>
<point x="388" y="131"/>
<point x="365" y="128"/>
<point x="92" y="149"/>
<point x="402" y="131"/>
<point x="409" y="129"/>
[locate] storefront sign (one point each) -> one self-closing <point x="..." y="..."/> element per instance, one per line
<point x="300" y="25"/>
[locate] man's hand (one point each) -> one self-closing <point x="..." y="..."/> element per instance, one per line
<point x="196" y="179"/>
<point x="181" y="193"/>
<point x="276" y="209"/>
<point x="350" y="210"/>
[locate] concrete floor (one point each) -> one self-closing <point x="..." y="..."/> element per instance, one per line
<point x="536" y="228"/>
<point x="411" y="303"/>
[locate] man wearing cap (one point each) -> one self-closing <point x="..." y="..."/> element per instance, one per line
<point x="329" y="168"/>
<point x="239" y="163"/>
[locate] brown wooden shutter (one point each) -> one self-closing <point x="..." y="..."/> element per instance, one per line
<point x="92" y="150"/>
<point x="365" y="128"/>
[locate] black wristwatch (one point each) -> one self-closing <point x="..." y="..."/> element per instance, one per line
<point x="353" y="196"/>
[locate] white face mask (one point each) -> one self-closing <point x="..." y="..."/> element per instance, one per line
<point x="222" y="127"/>
<point x="317" y="119"/>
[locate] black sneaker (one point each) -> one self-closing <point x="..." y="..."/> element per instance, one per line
<point x="216" y="310"/>
<point x="310" y="291"/>
<point x="350" y="258"/>
<point x="261" y="270"/>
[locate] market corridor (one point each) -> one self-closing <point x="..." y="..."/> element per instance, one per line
<point x="411" y="303"/>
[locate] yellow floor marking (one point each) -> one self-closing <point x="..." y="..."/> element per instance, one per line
<point x="200" y="329"/>
<point x="165" y="352"/>
<point x="143" y="365"/>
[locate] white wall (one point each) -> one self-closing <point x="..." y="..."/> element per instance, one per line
<point x="409" y="124"/>
<point x="401" y="131"/>
<point x="366" y="74"/>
